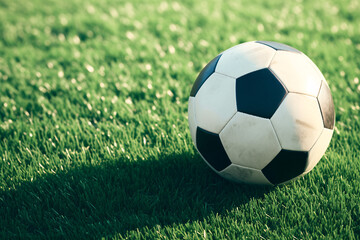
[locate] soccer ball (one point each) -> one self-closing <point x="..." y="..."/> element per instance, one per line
<point x="261" y="112"/>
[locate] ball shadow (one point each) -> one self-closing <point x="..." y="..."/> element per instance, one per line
<point x="103" y="200"/>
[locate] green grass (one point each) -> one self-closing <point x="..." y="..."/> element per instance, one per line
<point x="94" y="140"/>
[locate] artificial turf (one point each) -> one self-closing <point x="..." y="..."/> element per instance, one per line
<point x="94" y="139"/>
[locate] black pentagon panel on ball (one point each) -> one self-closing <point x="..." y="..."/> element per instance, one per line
<point x="326" y="106"/>
<point x="204" y="75"/>
<point x="286" y="166"/>
<point x="259" y="93"/>
<point x="211" y="148"/>
<point x="279" y="46"/>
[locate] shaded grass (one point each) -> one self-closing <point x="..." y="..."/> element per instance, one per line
<point x="115" y="198"/>
<point x="94" y="139"/>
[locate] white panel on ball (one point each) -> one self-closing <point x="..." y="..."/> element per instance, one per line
<point x="250" y="141"/>
<point x="244" y="58"/>
<point x="318" y="150"/>
<point x="215" y="103"/>
<point x="192" y="119"/>
<point x="315" y="67"/>
<point x="243" y="174"/>
<point x="298" y="122"/>
<point x="296" y="73"/>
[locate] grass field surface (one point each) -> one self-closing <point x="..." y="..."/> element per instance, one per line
<point x="94" y="139"/>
